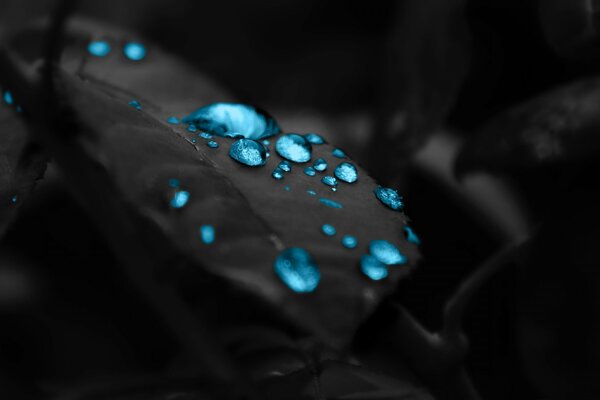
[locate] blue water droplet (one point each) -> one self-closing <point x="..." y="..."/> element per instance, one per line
<point x="192" y="128"/>
<point x="174" y="183"/>
<point x="338" y="153"/>
<point x="99" y="48"/>
<point x="285" y="166"/>
<point x="205" y="135"/>
<point x="311" y="192"/>
<point x="266" y="142"/>
<point x="333" y="189"/>
<point x="320" y="165"/>
<point x="135" y="104"/>
<point x="310" y="171"/>
<point x="346" y="172"/>
<point x="231" y="119"/>
<point x="329" y="180"/>
<point x="173" y="120"/>
<point x="411" y="236"/>
<point x="134" y="51"/>
<point x="386" y="252"/>
<point x="313" y="138"/>
<point x="389" y="197"/>
<point x="212" y="144"/>
<point x="287" y="188"/>
<point x="328" y="230"/>
<point x="8" y="97"/>
<point x="278" y="173"/>
<point x="14" y="199"/>
<point x="248" y="152"/>
<point x="294" y="147"/>
<point x="373" y="268"/>
<point x="349" y="242"/>
<point x="330" y="203"/>
<point x="180" y="199"/>
<point x="207" y="234"/>
<point x="296" y="268"/>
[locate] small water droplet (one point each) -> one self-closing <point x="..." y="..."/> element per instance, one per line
<point x="231" y="119"/>
<point x="19" y="109"/>
<point x="310" y="171"/>
<point x="193" y="140"/>
<point x="338" y="153"/>
<point x="349" y="242"/>
<point x="99" y="48"/>
<point x="329" y="180"/>
<point x="8" y="97"/>
<point x="174" y="183"/>
<point x="328" y="230"/>
<point x="192" y="128"/>
<point x="134" y="51"/>
<point x="278" y="173"/>
<point x="266" y="142"/>
<point x="296" y="268"/>
<point x="346" y="172"/>
<point x="411" y="236"/>
<point x="330" y="203"/>
<point x="386" y="252"/>
<point x="248" y="152"/>
<point x="294" y="147"/>
<point x="212" y="144"/>
<point x="135" y="104"/>
<point x="180" y="199"/>
<point x="287" y="188"/>
<point x="311" y="192"/>
<point x="320" y="165"/>
<point x="173" y="120"/>
<point x="389" y="197"/>
<point x="14" y="199"/>
<point x="333" y="189"/>
<point x="205" y="135"/>
<point x="313" y="138"/>
<point x="373" y="268"/>
<point x="285" y="166"/>
<point x="207" y="234"/>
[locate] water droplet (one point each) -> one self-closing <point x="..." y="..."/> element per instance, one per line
<point x="135" y="104"/>
<point x="338" y="153"/>
<point x="174" y="183"/>
<point x="231" y="119"/>
<point x="14" y="199"/>
<point x="411" y="236"/>
<point x="19" y="109"/>
<point x="248" y="152"/>
<point x="285" y="166"/>
<point x="266" y="142"/>
<point x="180" y="199"/>
<point x="313" y="138"/>
<point x="173" y="120"/>
<point x="386" y="252"/>
<point x="277" y="173"/>
<point x="346" y="172"/>
<point x="8" y="97"/>
<point x="333" y="189"/>
<point x="99" y="48"/>
<point x="205" y="135"/>
<point x="287" y="188"/>
<point x="193" y="140"/>
<point x="134" y="51"/>
<point x="207" y="234"/>
<point x="296" y="268"/>
<point x="329" y="180"/>
<point x="328" y="230"/>
<point x="294" y="147"/>
<point x="310" y="171"/>
<point x="330" y="203"/>
<point x="320" y="165"/>
<point x="192" y="128"/>
<point x="373" y="268"/>
<point x="389" y="197"/>
<point x="349" y="242"/>
<point x="212" y="144"/>
<point x="311" y="192"/>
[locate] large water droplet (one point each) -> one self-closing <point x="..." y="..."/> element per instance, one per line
<point x="390" y="198"/>
<point x="349" y="242"/>
<point x="310" y="171"/>
<point x="346" y="172"/>
<point x="135" y="104"/>
<point x="207" y="234"/>
<point x="296" y="268"/>
<point x="99" y="48"/>
<point x="134" y="51"/>
<point x="294" y="147"/>
<point x="248" y="152"/>
<point x="373" y="268"/>
<point x="180" y="199"/>
<point x="320" y="165"/>
<point x="285" y="166"/>
<point x="278" y="173"/>
<point x="386" y="252"/>
<point x="8" y="97"/>
<point x="411" y="236"/>
<point x="231" y="119"/>
<point x="330" y="203"/>
<point x="329" y="180"/>
<point x="313" y="138"/>
<point x="338" y="153"/>
<point x="328" y="230"/>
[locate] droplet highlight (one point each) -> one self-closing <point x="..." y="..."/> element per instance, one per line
<point x="346" y="172"/>
<point x="386" y="252"/>
<point x="248" y="152"/>
<point x="390" y="198"/>
<point x="294" y="147"/>
<point x="296" y="268"/>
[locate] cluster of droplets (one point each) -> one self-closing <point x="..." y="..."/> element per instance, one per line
<point x="133" y="51"/>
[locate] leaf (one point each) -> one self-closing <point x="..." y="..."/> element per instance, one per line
<point x="558" y="127"/>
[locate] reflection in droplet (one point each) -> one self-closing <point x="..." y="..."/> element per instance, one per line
<point x="296" y="268"/>
<point x="373" y="268"/>
<point x="294" y="147"/>
<point x="134" y="51"/>
<point x="99" y="48"/>
<point x="248" y="152"/>
<point x="346" y="172"/>
<point x="390" y="198"/>
<point x="386" y="252"/>
<point x="207" y="234"/>
<point x="349" y="242"/>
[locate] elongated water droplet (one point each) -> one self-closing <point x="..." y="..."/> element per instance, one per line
<point x="296" y="268"/>
<point x="173" y="120"/>
<point x="373" y="268"/>
<point x="231" y="119"/>
<point x="134" y="51"/>
<point x="386" y="252"/>
<point x="328" y="230"/>
<point x="248" y="152"/>
<point x="346" y="172"/>
<point x="180" y="199"/>
<point x="329" y="180"/>
<point x="390" y="198"/>
<point x="313" y="138"/>
<point x="8" y="97"/>
<point x="349" y="242"/>
<point x="310" y="171"/>
<point x="205" y="135"/>
<point x="311" y="192"/>
<point x="411" y="236"/>
<point x="99" y="48"/>
<point x="278" y="173"/>
<point x="338" y="153"/>
<point x="135" y="104"/>
<point x="207" y="234"/>
<point x="212" y="144"/>
<point x="320" y="165"/>
<point x="294" y="147"/>
<point x="285" y="166"/>
<point x="330" y="203"/>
